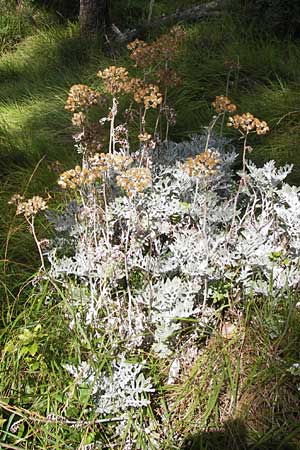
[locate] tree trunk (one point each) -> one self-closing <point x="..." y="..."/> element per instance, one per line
<point x="94" y="16"/>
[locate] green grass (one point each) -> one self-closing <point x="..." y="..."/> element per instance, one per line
<point x="265" y="85"/>
<point x="19" y="23"/>
<point x="34" y="127"/>
<point x="238" y="394"/>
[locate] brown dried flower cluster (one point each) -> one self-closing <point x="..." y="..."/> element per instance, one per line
<point x="105" y="161"/>
<point x="135" y="84"/>
<point x="144" y="137"/>
<point x="139" y="50"/>
<point x="30" y="207"/>
<point x="168" y="77"/>
<point x="55" y="166"/>
<point x="247" y="123"/>
<point x="115" y="79"/>
<point x="134" y="180"/>
<point x="231" y="64"/>
<point x="144" y="93"/>
<point x="148" y="143"/>
<point x="81" y="98"/>
<point x="78" y="177"/>
<point x="93" y="137"/>
<point x="78" y="119"/>
<point x="165" y="48"/>
<point x="97" y="167"/>
<point x="205" y="164"/>
<point x="148" y="94"/>
<point x="121" y="137"/>
<point x="223" y="104"/>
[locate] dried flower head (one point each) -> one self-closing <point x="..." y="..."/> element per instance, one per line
<point x="115" y="79"/>
<point x="137" y="43"/>
<point x="78" y="177"/>
<point x="165" y="48"/>
<point x="148" y="143"/>
<point x="135" y="180"/>
<point x="223" y="104"/>
<point x="169" y="77"/>
<point x="119" y="162"/>
<point x="81" y="98"/>
<point x="248" y="123"/>
<point x="205" y="164"/>
<point x="103" y="162"/>
<point x="170" y="114"/>
<point x="135" y="84"/>
<point x="148" y="94"/>
<point x="93" y="137"/>
<point x="30" y="207"/>
<point x="15" y="199"/>
<point x="144" y="137"/>
<point x="55" y="166"/>
<point x="78" y="119"/>
<point x="231" y="64"/>
<point x="121" y="137"/>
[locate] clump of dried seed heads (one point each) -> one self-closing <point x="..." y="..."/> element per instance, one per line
<point x="81" y="98"/>
<point x="148" y="94"/>
<point x="202" y="165"/>
<point x="29" y="207"/>
<point x="135" y="180"/>
<point x="168" y="77"/>
<point x="79" y="176"/>
<point x="163" y="49"/>
<point x="247" y="123"/>
<point x="107" y="161"/>
<point x="78" y="119"/>
<point x="115" y="79"/>
<point x="144" y="137"/>
<point x="97" y="167"/>
<point x="223" y="104"/>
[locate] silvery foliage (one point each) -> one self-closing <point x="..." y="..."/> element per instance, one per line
<point x="123" y="389"/>
<point x="267" y="232"/>
<point x="136" y="269"/>
<point x="169" y="300"/>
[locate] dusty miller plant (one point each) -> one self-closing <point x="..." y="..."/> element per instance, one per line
<point x="151" y="235"/>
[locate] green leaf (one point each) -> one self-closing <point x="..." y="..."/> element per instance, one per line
<point x="26" y="336"/>
<point x="84" y="394"/>
<point x="24" y="350"/>
<point x="2" y="422"/>
<point x="33" y="348"/>
<point x="59" y="397"/>
<point x="89" y="438"/>
<point x="35" y="365"/>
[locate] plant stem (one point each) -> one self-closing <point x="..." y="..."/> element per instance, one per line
<point x="31" y="224"/>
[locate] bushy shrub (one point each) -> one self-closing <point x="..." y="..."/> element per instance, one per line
<point x="155" y="237"/>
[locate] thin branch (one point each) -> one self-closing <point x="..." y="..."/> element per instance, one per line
<point x="151" y="4"/>
<point x="11" y="447"/>
<point x="36" y="417"/>
<point x="193" y="14"/>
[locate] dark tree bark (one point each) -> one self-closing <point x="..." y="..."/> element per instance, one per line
<point x="94" y="16"/>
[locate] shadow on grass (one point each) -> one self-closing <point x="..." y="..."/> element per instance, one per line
<point x="56" y="58"/>
<point x="235" y="436"/>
